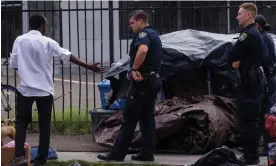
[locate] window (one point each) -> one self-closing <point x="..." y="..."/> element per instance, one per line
<point x="11" y="25"/>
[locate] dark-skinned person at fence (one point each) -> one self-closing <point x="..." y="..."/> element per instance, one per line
<point x="247" y="57"/>
<point x="145" y="62"/>
<point x="270" y="73"/>
<point x="32" y="56"/>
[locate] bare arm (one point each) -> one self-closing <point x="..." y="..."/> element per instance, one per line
<point x="66" y="55"/>
<point x="93" y="67"/>
<point x="140" y="56"/>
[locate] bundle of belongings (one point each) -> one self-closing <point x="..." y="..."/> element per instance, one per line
<point x="182" y="125"/>
<point x="222" y="156"/>
<point x="270" y="126"/>
<point x="195" y="111"/>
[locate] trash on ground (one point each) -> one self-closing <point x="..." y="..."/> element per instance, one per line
<point x="218" y="157"/>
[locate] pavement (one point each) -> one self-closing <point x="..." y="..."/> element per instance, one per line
<point x="68" y="143"/>
<point x="86" y="149"/>
<point x="162" y="159"/>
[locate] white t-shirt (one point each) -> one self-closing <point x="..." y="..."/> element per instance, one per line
<point x="32" y="55"/>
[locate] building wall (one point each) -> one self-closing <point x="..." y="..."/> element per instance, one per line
<point x="83" y="42"/>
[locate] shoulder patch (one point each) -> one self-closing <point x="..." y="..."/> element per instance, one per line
<point x="242" y="36"/>
<point x="142" y="35"/>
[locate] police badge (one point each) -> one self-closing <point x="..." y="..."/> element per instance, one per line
<point x="142" y="35"/>
<point x="242" y="36"/>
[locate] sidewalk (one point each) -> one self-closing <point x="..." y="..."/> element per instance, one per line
<point x="164" y="159"/>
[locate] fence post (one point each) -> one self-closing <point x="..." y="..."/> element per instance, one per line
<point x="111" y="33"/>
<point x="228" y="17"/>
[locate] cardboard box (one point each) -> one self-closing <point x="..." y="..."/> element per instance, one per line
<point x="7" y="154"/>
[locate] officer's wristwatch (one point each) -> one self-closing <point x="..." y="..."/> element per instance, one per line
<point x="130" y="70"/>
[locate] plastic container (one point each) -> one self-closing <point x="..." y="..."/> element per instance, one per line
<point x="105" y="89"/>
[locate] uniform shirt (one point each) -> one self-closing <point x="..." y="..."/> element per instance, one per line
<point x="249" y="48"/>
<point x="148" y="36"/>
<point x="32" y="55"/>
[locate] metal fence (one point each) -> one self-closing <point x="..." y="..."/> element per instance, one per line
<point x="97" y="31"/>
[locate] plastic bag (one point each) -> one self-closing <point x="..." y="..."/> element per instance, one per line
<point x="52" y="153"/>
<point x="222" y="156"/>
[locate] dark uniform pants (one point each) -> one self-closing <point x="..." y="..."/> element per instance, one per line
<point x="268" y="101"/>
<point x="24" y="117"/>
<point x="249" y="124"/>
<point x="139" y="108"/>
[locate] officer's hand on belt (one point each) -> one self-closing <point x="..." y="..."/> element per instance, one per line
<point x="135" y="74"/>
<point x="236" y="64"/>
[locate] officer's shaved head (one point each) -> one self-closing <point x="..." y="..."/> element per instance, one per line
<point x="251" y="7"/>
<point x="139" y="14"/>
<point x="247" y="14"/>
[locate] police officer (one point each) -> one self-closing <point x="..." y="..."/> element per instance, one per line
<point x="247" y="57"/>
<point x="270" y="61"/>
<point x="270" y="72"/>
<point x="145" y="61"/>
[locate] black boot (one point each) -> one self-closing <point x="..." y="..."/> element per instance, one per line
<point x="110" y="157"/>
<point x="142" y="157"/>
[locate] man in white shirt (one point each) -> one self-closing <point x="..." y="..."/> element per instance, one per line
<point x="32" y="55"/>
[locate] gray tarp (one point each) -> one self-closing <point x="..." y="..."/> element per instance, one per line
<point x="189" y="49"/>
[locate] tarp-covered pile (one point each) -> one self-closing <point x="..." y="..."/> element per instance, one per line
<point x="188" y="120"/>
<point x="186" y="126"/>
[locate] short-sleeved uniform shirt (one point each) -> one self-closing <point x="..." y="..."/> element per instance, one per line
<point x="149" y="37"/>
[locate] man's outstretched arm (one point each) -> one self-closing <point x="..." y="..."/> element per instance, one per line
<point x="66" y="55"/>
<point x="93" y="67"/>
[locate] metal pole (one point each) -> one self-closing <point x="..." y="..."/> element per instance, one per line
<point x="228" y="16"/>
<point x="111" y="33"/>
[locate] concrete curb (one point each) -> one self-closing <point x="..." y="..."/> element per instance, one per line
<point x="161" y="159"/>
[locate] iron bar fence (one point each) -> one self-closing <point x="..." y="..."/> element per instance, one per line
<point x="97" y="31"/>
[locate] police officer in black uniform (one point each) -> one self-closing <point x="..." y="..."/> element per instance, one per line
<point x="270" y="73"/>
<point x="247" y="57"/>
<point x="145" y="61"/>
<point x="270" y="61"/>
